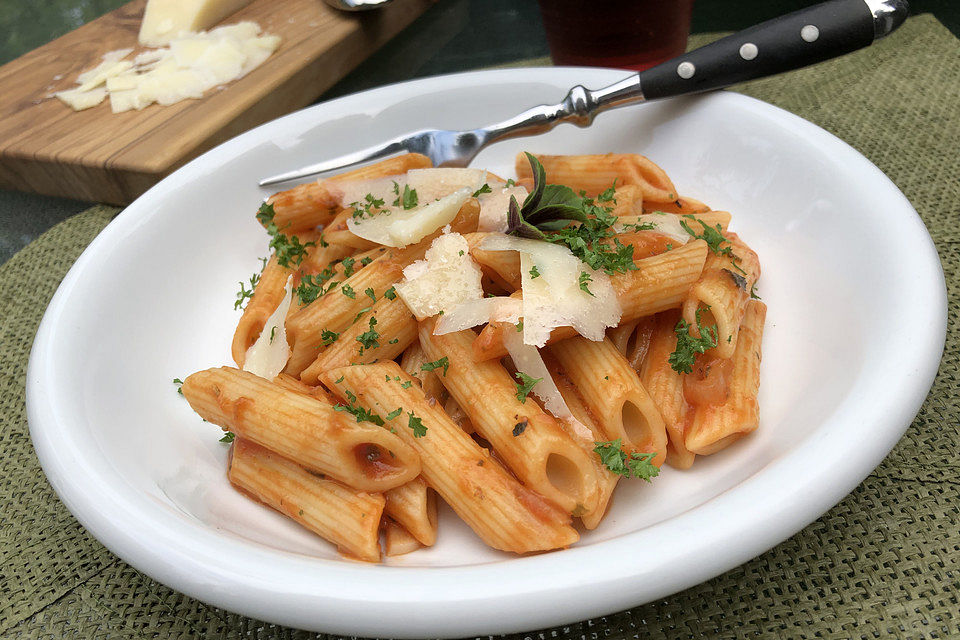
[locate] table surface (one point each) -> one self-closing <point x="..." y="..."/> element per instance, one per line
<point x="883" y="563"/>
<point x="444" y="40"/>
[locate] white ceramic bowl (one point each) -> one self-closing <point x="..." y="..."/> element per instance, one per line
<point x="857" y="315"/>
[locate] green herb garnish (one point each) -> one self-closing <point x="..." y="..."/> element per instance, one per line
<point x="525" y="386"/>
<point x="637" y="465"/>
<point x="436" y="364"/>
<point x="684" y="356"/>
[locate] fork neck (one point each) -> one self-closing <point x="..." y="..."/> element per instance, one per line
<point x="580" y="107"/>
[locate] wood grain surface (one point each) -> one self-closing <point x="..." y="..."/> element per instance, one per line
<point x="96" y="155"/>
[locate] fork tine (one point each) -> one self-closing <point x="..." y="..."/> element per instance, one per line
<point x="341" y="162"/>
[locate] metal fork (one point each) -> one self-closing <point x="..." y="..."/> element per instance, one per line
<point x="798" y="39"/>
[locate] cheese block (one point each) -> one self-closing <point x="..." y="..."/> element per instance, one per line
<point x="165" y="20"/>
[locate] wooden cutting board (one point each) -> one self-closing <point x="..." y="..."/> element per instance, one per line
<point x="100" y="156"/>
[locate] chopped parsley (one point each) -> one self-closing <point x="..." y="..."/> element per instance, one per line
<point x="406" y="384"/>
<point x="395" y="413"/>
<point x="436" y="364"/>
<point x="753" y="292"/>
<point x="408" y="199"/>
<point x="228" y="437"/>
<point x="311" y="286"/>
<point x="394" y="341"/>
<point x="246" y="294"/>
<point x="484" y="189"/>
<point x="525" y="386"/>
<point x="348" y="291"/>
<point x="361" y="414"/>
<point x="273" y="332"/>
<point x="637" y="465"/>
<point x="360" y="314"/>
<point x="368" y="208"/>
<point x="338" y="380"/>
<point x="534" y="273"/>
<point x="348" y="263"/>
<point x="366" y="260"/>
<point x="288" y="249"/>
<point x="329" y="337"/>
<point x="179" y="383"/>
<point x="713" y="236"/>
<point x="369" y="339"/>
<point x="607" y="195"/>
<point x="683" y="357"/>
<point x="519" y="325"/>
<point x="390" y="294"/>
<point x="585" y="281"/>
<point x="370" y="293"/>
<point x="416" y="424"/>
<point x="511" y="182"/>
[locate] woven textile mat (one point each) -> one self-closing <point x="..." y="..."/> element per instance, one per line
<point x="884" y="563"/>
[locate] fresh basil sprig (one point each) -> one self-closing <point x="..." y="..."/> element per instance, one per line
<point x="548" y="207"/>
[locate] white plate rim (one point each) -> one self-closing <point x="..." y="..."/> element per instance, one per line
<point x="455" y="601"/>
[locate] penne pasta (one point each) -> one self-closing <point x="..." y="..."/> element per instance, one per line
<point x="612" y="391"/>
<point x="366" y="340"/>
<point x="720" y="295"/>
<point x="304" y="429"/>
<point x="414" y="506"/>
<point x="665" y="387"/>
<point x="397" y="541"/>
<point x="266" y="298"/>
<point x="304" y="207"/>
<point x="504" y="513"/>
<point x="595" y="173"/>
<point x="530" y="441"/>
<point x="716" y="426"/>
<point x="412" y="362"/>
<point x="346" y="517"/>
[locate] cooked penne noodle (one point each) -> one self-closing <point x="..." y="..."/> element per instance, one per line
<point x="412" y="362"/>
<point x="337" y="231"/>
<point x="529" y="440"/>
<point x="323" y="256"/>
<point x="266" y="298"/>
<point x="614" y="394"/>
<point x="414" y="505"/>
<point x="397" y="541"/>
<point x="721" y="294"/>
<point x="389" y="167"/>
<point x="665" y="387"/>
<point x="366" y="340"/>
<point x="606" y="481"/>
<point x="716" y="426"/>
<point x="621" y="334"/>
<point x="304" y="207"/>
<point x="346" y="517"/>
<point x="627" y="200"/>
<point x="595" y="173"/>
<point x="504" y="513"/>
<point x="304" y="429"/>
<point x="293" y="384"/>
<point x="336" y="309"/>
<point x="681" y="205"/>
<point x="659" y="283"/>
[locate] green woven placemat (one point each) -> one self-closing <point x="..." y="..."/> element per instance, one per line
<point x="884" y="563"/>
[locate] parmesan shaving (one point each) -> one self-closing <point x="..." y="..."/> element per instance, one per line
<point x="193" y="64"/>
<point x="269" y="354"/>
<point x="494" y="207"/>
<point x="394" y="227"/>
<point x="555" y="298"/>
<point x="432" y="184"/>
<point x="445" y="279"/>
<point x="477" y="312"/>
<point x="527" y="359"/>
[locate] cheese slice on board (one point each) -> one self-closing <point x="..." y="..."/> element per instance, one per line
<point x="164" y="20"/>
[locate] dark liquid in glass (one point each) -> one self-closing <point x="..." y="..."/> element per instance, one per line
<point x="629" y="34"/>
